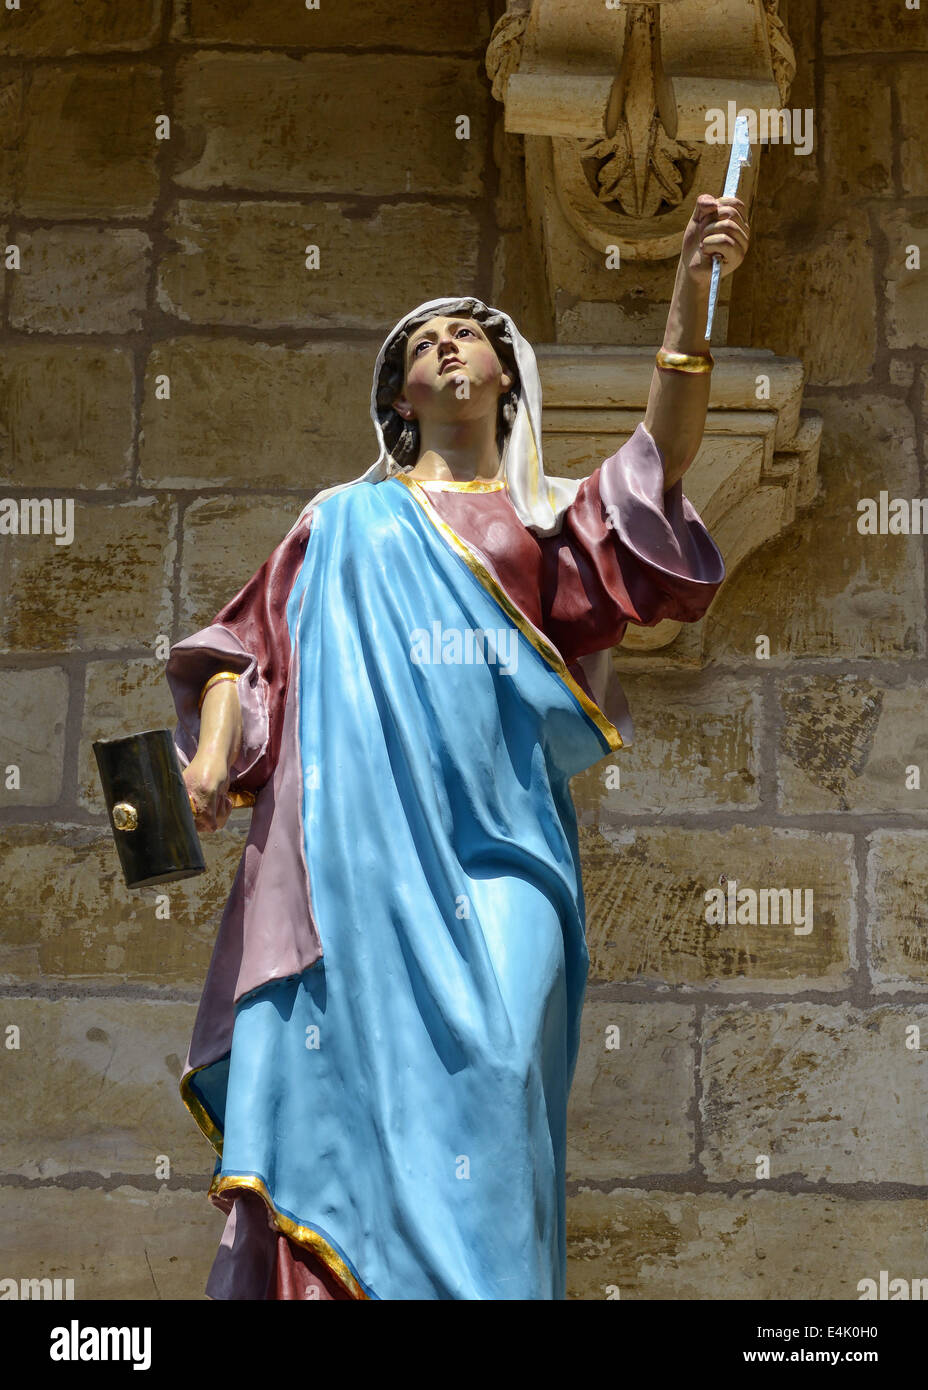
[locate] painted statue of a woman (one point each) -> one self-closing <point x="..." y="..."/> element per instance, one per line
<point x="390" y="1023"/>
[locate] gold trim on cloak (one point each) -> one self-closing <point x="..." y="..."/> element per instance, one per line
<point x="541" y="645"/>
<point x="302" y="1235"/>
<point x="459" y="484"/>
<point x="198" y="1110"/>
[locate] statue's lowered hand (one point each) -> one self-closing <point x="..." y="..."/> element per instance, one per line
<point x="207" y="783"/>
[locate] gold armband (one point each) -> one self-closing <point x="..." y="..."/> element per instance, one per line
<point x="685" y="361"/>
<point x="213" y="680"/>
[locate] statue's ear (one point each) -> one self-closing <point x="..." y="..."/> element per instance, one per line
<point x="402" y="406"/>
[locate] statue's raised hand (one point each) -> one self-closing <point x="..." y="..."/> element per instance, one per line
<point x="716" y="228"/>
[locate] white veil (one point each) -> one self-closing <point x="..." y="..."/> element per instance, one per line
<point x="539" y="501"/>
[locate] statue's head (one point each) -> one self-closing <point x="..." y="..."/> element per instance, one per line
<point x="410" y="378"/>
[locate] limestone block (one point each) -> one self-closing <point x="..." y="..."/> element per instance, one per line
<point x="857" y="134"/>
<point x="93" y="1088"/>
<point x="11" y="135"/>
<point x="906" y="293"/>
<point x="830" y="1093"/>
<point x="811" y="294"/>
<point x="897" y="919"/>
<point x="35" y="707"/>
<point x="80" y="280"/>
<point x="847" y="742"/>
<point x="73" y="27"/>
<point x="696" y="748"/>
<point x="66" y="415"/>
<point x="857" y="26"/>
<point x="246" y="262"/>
<point x="108" y="589"/>
<point x="646" y="887"/>
<point x="912" y="87"/>
<point x="226" y="539"/>
<point x="631" y="1099"/>
<point x="744" y="1245"/>
<point x="280" y="23"/>
<point x="90" y="148"/>
<point x="823" y="589"/>
<point x="243" y="413"/>
<point x="334" y="123"/>
<point x="69" y="915"/>
<point x="131" y="1243"/>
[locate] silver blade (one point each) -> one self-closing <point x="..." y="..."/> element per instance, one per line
<point x="739" y="157"/>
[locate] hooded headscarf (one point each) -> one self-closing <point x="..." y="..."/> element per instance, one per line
<point x="539" y="500"/>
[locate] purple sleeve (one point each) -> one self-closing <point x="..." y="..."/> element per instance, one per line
<point x="250" y="636"/>
<point x="627" y="552"/>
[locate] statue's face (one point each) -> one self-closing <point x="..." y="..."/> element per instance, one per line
<point x="452" y="370"/>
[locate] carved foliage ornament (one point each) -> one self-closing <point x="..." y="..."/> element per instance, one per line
<point x="633" y="184"/>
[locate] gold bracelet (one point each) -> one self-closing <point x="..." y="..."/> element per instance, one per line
<point x="219" y="676"/>
<point x="685" y="361"/>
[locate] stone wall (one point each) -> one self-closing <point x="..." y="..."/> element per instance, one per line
<point x="183" y="258"/>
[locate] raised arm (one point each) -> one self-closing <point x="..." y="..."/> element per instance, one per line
<point x="679" y="396"/>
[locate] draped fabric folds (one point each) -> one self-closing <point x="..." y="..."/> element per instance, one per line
<point x="384" y="1049"/>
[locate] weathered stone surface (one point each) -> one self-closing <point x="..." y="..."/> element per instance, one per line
<point x="846" y="743"/>
<point x="858" y="26"/>
<point x="509" y="158"/>
<point x="749" y="1245"/>
<point x="226" y="539"/>
<point x="631" y="1099"/>
<point x="66" y="415"/>
<point x="68" y="914"/>
<point x="285" y="124"/>
<point x="71" y="26"/>
<point x="518" y="273"/>
<point x="823" y="589"/>
<point x="897" y="915"/>
<point x="80" y="280"/>
<point x="35" y="706"/>
<point x="119" y="696"/>
<point x="646" y="908"/>
<point x="279" y="22"/>
<point x="912" y="87"/>
<point x="901" y="371"/>
<point x="810" y="293"/>
<point x="829" y="1093"/>
<point x="102" y="164"/>
<point x="106" y="590"/>
<point x="93" y="1088"/>
<point x="696" y="748"/>
<point x="127" y="1244"/>
<point x="857" y="133"/>
<point x="11" y="135"/>
<point x="246" y="262"/>
<point x="246" y="413"/>
<point x="906" y="294"/>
